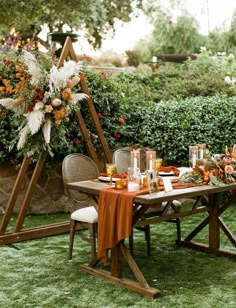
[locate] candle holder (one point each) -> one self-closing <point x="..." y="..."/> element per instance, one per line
<point x="119" y="184"/>
<point x="193" y="155"/>
<point x="201" y="150"/>
<point x="150" y="160"/>
<point x="135" y="160"/>
<point x="158" y="164"/>
<point x="152" y="181"/>
<point x="201" y="162"/>
<point x="133" y="179"/>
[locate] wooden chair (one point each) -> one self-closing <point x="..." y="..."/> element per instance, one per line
<point x="75" y="168"/>
<point x="122" y="159"/>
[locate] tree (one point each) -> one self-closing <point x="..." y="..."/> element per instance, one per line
<point x="92" y="17"/>
<point x="171" y="37"/>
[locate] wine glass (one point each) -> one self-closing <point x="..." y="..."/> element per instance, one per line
<point x="111" y="170"/>
<point x="158" y="164"/>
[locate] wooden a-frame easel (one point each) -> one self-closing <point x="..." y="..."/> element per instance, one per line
<point x="18" y="234"/>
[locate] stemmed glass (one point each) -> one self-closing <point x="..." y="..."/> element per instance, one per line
<point x="111" y="170"/>
<point x="158" y="164"/>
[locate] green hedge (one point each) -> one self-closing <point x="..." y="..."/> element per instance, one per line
<point x="170" y="127"/>
<point x="130" y="112"/>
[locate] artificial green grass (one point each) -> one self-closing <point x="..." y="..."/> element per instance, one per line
<point x="37" y="273"/>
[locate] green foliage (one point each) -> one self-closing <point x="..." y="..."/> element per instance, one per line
<point x="170" y="127"/>
<point x="133" y="57"/>
<point x="93" y="17"/>
<point x="171" y="37"/>
<point x="168" y="109"/>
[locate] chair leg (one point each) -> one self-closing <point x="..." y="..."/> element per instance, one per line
<point x="148" y="238"/>
<point x="131" y="243"/>
<point x="178" y="227"/>
<point x="72" y="235"/>
<point x="93" y="235"/>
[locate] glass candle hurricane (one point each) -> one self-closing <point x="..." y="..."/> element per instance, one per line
<point x="133" y="179"/>
<point x="201" y="151"/>
<point x="150" y="160"/>
<point x="135" y="160"/>
<point x="193" y="155"/>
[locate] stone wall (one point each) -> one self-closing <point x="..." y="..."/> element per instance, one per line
<point x="48" y="197"/>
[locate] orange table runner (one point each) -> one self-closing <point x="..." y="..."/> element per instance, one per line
<point x="115" y="208"/>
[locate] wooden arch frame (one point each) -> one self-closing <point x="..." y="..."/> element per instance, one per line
<point x="18" y="233"/>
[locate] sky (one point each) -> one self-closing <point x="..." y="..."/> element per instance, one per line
<point x="209" y="13"/>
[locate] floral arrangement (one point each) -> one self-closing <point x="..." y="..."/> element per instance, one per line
<point x="42" y="95"/>
<point x="218" y="170"/>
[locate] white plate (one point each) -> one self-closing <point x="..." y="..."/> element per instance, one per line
<point x="107" y="179"/>
<point x="166" y="173"/>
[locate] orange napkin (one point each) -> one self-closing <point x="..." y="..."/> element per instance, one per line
<point x="169" y="169"/>
<point x="115" y="211"/>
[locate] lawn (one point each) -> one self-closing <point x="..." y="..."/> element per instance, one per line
<point x="37" y="273"/>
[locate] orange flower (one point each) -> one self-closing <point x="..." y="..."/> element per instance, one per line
<point x="20" y="68"/>
<point x="2" y="89"/>
<point x="60" y="114"/>
<point x="5" y="82"/>
<point x="66" y="94"/>
<point x="18" y="75"/>
<point x="82" y="76"/>
<point x="10" y="90"/>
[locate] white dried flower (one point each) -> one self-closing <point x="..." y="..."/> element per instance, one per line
<point x="76" y="97"/>
<point x="39" y="106"/>
<point x="11" y="103"/>
<point x="59" y="77"/>
<point x="56" y="102"/>
<point x="46" y="129"/>
<point x="73" y="82"/>
<point x="24" y="133"/>
<point x="35" y="120"/>
<point x="33" y="67"/>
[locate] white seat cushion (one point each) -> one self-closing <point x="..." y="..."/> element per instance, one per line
<point x="163" y="204"/>
<point x="86" y="214"/>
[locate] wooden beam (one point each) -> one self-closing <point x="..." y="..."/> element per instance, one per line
<point x="96" y="122"/>
<point x="14" y="194"/>
<point x="28" y="196"/>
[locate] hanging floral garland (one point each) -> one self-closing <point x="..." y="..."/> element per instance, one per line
<point x="41" y="97"/>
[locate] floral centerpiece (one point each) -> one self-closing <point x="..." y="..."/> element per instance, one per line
<point x="41" y="96"/>
<point x="218" y="170"/>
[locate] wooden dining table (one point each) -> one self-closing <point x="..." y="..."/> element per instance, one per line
<point x="207" y="199"/>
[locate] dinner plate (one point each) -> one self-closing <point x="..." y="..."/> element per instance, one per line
<point x="166" y="173"/>
<point x="107" y="179"/>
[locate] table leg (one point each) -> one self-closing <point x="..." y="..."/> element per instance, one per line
<point x="214" y="227"/>
<point x="118" y="252"/>
<point x="214" y="223"/>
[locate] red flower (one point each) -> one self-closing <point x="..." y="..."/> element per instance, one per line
<point x="121" y="122"/>
<point x="117" y="136"/>
<point x="75" y="140"/>
<point x="124" y="118"/>
<point x="99" y="114"/>
<point x="104" y="75"/>
<point x="155" y="67"/>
